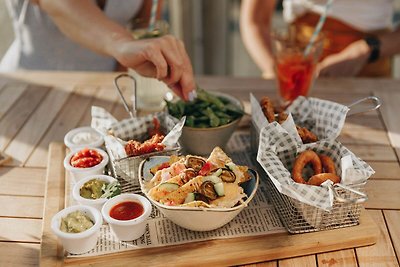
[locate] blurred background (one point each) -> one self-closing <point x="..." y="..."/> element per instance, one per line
<point x="210" y="30"/>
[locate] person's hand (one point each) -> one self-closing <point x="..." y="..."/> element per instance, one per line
<point x="164" y="58"/>
<point x="348" y="62"/>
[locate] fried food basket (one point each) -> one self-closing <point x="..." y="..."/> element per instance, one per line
<point x="297" y="216"/>
<point x="302" y="218"/>
<point x="127" y="168"/>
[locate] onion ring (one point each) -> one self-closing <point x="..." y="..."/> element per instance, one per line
<point x="306" y="135"/>
<point x="267" y="108"/>
<point x="327" y="164"/>
<point x="302" y="160"/>
<point x="318" y="179"/>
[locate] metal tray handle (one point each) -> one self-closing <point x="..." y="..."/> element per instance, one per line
<point x="132" y="112"/>
<point x="376" y="103"/>
<point x="361" y="199"/>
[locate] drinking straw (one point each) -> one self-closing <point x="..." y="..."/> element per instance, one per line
<point x="153" y="15"/>
<point x="318" y="27"/>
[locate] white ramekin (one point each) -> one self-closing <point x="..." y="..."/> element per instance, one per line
<point x="95" y="203"/>
<point x="79" y="173"/>
<point x="78" y="243"/>
<point x="130" y="229"/>
<point x="70" y="135"/>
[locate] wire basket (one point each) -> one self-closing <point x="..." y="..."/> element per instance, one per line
<point x="302" y="218"/>
<point x="127" y="168"/>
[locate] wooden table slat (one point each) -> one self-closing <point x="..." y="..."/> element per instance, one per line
<point x="390" y="110"/>
<point x="385" y="170"/>
<point x="21" y="206"/>
<point x="392" y="218"/>
<point x="69" y="117"/>
<point x="16" y="117"/>
<point x="373" y="152"/>
<point x="106" y="98"/>
<point x="21" y="229"/>
<point x="19" y="254"/>
<point x="360" y="136"/>
<point x="382" y="253"/>
<point x="41" y="119"/>
<point x="9" y="94"/>
<point x="381" y="194"/>
<point x="344" y="258"/>
<point x="299" y="261"/>
<point x="50" y="249"/>
<point x="22" y="181"/>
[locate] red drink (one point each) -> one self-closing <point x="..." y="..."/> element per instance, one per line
<point x="295" y="75"/>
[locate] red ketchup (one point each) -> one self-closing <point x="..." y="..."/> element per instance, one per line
<point x="127" y="210"/>
<point x="86" y="158"/>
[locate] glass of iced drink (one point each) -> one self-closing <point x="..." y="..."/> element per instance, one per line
<point x="295" y="64"/>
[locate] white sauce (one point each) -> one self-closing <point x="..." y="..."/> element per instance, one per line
<point x="83" y="138"/>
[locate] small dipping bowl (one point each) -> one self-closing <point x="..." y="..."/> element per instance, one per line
<point x="126" y="230"/>
<point x="79" y="173"/>
<point x="78" y="243"/>
<point x="83" y="137"/>
<point x="95" y="203"/>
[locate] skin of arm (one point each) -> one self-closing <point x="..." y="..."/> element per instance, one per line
<point x="351" y="60"/>
<point x="255" y="26"/>
<point x="164" y="58"/>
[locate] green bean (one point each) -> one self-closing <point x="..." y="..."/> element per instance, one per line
<point x="206" y="111"/>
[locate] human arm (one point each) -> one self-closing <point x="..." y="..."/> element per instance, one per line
<point x="255" y="27"/>
<point x="164" y="58"/>
<point x="351" y="60"/>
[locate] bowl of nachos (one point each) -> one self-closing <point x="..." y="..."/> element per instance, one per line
<point x="198" y="193"/>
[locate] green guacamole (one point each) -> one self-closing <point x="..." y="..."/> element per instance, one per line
<point x="75" y="222"/>
<point x="93" y="189"/>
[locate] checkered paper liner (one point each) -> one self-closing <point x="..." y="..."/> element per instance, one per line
<point x="117" y="133"/>
<point x="322" y="117"/>
<point x="277" y="153"/>
<point x="305" y="208"/>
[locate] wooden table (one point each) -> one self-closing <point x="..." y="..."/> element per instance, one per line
<point x="37" y="108"/>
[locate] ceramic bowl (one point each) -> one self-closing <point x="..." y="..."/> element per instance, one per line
<point x="83" y="137"/>
<point x="126" y="230"/>
<point x="196" y="219"/>
<point x="78" y="243"/>
<point x="95" y="203"/>
<point x="79" y="173"/>
<point x="201" y="141"/>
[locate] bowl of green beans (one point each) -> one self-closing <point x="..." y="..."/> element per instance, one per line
<point x="211" y="120"/>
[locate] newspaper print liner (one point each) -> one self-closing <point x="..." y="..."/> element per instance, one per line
<point x="322" y="117"/>
<point x="277" y="153"/>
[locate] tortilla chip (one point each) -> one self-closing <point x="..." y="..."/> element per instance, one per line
<point x="218" y="158"/>
<point x="233" y="195"/>
<point x="243" y="174"/>
<point x="178" y="196"/>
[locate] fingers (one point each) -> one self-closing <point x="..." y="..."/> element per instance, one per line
<point x="155" y="56"/>
<point x="180" y="78"/>
<point x="175" y="58"/>
<point x="187" y="81"/>
<point x="169" y="62"/>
